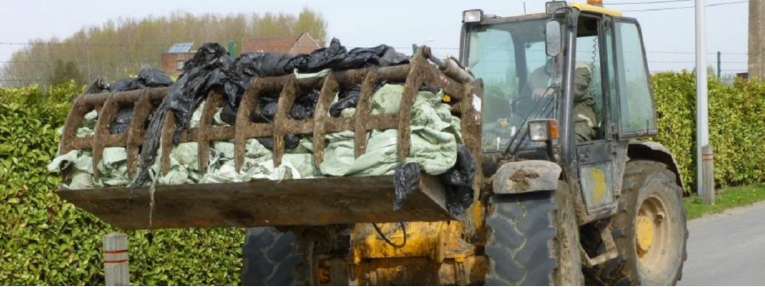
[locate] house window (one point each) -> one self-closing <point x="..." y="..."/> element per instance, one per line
<point x="179" y="65"/>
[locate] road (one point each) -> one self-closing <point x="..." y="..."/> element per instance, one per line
<point x="727" y="249"/>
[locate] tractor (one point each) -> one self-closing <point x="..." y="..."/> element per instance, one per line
<point x="555" y="109"/>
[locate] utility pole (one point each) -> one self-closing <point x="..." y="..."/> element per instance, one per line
<point x="719" y="61"/>
<point x="702" y="126"/>
<point x="757" y="39"/>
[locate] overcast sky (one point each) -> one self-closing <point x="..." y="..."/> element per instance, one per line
<point x="669" y="34"/>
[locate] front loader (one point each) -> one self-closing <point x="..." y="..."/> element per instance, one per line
<point x="559" y="196"/>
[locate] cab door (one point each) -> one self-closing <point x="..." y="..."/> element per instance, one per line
<point x="626" y="111"/>
<point x="599" y="174"/>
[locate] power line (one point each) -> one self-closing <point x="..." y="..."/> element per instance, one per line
<point x="687" y="7"/>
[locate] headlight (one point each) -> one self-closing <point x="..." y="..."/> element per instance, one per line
<point x="543" y="130"/>
<point x="472" y="16"/>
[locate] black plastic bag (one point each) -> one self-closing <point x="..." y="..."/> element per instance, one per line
<point x="95" y="87"/>
<point x="151" y="116"/>
<point x="349" y="91"/>
<point x="263" y="64"/>
<point x="228" y="115"/>
<point x="380" y="56"/>
<point x="290" y="142"/>
<point x="122" y="122"/>
<point x="339" y="106"/>
<point x="349" y="98"/>
<point x="405" y="181"/>
<point x="267" y="113"/>
<point x="321" y="59"/>
<point x="147" y="77"/>
<point x="458" y="182"/>
<point x="151" y="77"/>
<point x="335" y="57"/>
<point x="304" y="106"/>
<point x="126" y="84"/>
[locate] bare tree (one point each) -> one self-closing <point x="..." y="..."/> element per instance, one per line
<point x="119" y="47"/>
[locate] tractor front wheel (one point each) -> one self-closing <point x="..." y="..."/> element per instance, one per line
<point x="271" y="257"/>
<point x="649" y="229"/>
<point x="533" y="239"/>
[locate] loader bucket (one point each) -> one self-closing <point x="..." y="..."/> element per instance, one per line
<point x="319" y="201"/>
<point x="315" y="201"/>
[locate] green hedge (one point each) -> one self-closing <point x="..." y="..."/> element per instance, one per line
<point x="736" y="127"/>
<point x="45" y="241"/>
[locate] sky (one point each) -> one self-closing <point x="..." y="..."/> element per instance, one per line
<point x="669" y="34"/>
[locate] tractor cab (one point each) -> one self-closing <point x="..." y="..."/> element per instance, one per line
<point x="569" y="86"/>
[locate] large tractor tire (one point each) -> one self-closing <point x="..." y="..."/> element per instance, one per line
<point x="533" y="239"/>
<point x="271" y="257"/>
<point x="649" y="229"/>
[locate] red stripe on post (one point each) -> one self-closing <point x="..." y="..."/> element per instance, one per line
<point x="115" y="251"/>
<point x="115" y="262"/>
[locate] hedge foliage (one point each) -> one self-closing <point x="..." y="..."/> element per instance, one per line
<point x="46" y="241"/>
<point x="736" y="127"/>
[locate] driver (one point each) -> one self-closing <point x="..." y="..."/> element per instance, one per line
<point x="584" y="112"/>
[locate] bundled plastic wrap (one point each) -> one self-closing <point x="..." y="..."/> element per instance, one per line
<point x="435" y="144"/>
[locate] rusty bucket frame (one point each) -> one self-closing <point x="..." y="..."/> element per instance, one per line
<point x="318" y="201"/>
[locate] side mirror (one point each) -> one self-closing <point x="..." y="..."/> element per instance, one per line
<point x="553" y="43"/>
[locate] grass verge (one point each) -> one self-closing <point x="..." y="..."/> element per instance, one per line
<point x="727" y="198"/>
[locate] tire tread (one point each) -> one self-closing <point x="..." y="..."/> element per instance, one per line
<point x="271" y="257"/>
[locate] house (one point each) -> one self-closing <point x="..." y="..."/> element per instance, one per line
<point x="172" y="61"/>
<point x="303" y="44"/>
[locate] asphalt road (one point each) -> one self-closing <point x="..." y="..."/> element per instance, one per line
<point x="727" y="249"/>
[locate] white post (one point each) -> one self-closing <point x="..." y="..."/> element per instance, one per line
<point x="702" y="129"/>
<point x="116" y="259"/>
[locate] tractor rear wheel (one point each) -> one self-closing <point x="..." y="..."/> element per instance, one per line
<point x="533" y="239"/>
<point x="649" y="229"/>
<point x="271" y="257"/>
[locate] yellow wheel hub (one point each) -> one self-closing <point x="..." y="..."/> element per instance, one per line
<point x="644" y="230"/>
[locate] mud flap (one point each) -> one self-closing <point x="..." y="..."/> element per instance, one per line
<point x="526" y="176"/>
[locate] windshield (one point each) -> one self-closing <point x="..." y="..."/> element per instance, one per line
<point x="520" y="80"/>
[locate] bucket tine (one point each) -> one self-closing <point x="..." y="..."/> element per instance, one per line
<point x="328" y="91"/>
